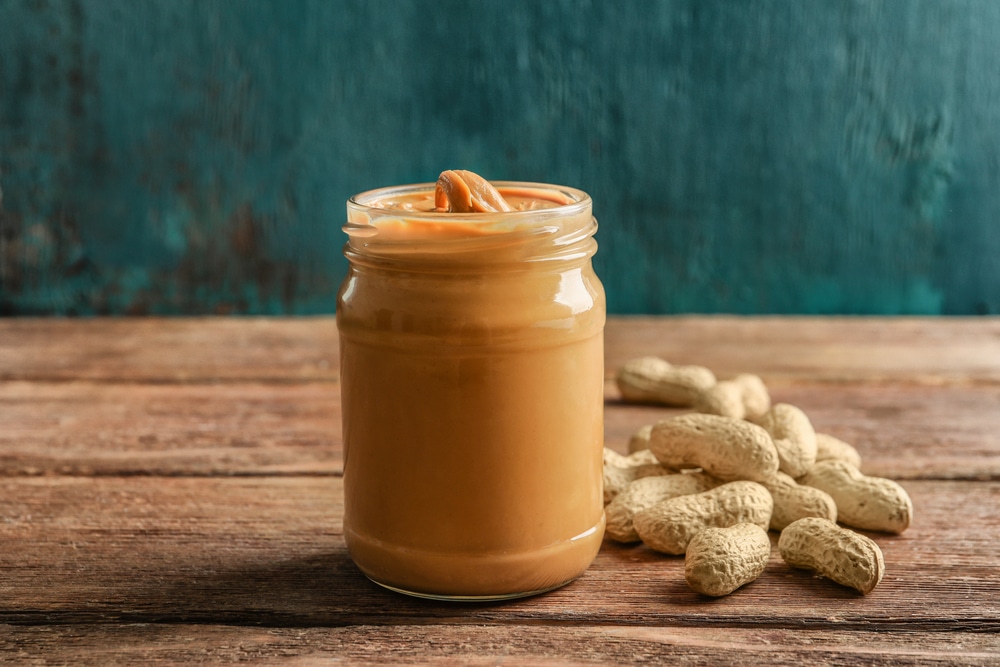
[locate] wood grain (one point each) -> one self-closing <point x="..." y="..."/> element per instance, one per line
<point x="811" y="349"/>
<point x="170" y="492"/>
<point x="270" y="551"/>
<point x="109" y="644"/>
<point x="229" y="428"/>
<point x="169" y="349"/>
<point x="928" y="351"/>
<point x="257" y="428"/>
<point x="903" y="431"/>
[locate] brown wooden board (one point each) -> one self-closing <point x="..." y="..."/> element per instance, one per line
<point x="926" y="350"/>
<point x="269" y="551"/>
<point x="903" y="431"/>
<point x="111" y="644"/>
<point x="170" y="493"/>
<point x="169" y="349"/>
<point x="253" y="428"/>
<point x="817" y="349"/>
<point x="244" y="428"/>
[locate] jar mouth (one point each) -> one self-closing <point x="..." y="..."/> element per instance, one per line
<point x="379" y="226"/>
<point x="567" y="201"/>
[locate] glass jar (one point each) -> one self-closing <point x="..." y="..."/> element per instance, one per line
<point x="472" y="365"/>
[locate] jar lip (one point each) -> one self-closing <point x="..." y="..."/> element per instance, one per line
<point x="400" y="235"/>
<point x="577" y="201"/>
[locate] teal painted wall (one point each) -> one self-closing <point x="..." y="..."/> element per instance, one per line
<point x="783" y="156"/>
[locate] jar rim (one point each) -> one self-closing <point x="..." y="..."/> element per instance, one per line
<point x="420" y="237"/>
<point x="577" y="201"/>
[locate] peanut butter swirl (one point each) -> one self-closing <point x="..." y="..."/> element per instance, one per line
<point x="461" y="191"/>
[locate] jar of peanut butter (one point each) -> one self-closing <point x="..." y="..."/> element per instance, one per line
<point x="471" y="350"/>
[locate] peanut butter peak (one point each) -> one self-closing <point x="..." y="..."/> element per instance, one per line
<point x="461" y="191"/>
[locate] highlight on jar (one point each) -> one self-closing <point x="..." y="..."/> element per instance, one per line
<point x="471" y="328"/>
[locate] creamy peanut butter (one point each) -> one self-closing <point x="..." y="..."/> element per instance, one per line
<point x="472" y="379"/>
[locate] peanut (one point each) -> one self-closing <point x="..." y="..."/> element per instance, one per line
<point x="644" y="493"/>
<point x="793" y="501"/>
<point x="639" y="458"/>
<point x="793" y="437"/>
<point x="654" y="380"/>
<point x="868" y="503"/>
<point x="829" y="448"/>
<point x="669" y="525"/>
<point x="846" y="557"/>
<point x="726" y="448"/>
<point x="724" y="398"/>
<point x="461" y="191"/>
<point x="620" y="471"/>
<point x="745" y="465"/>
<point x="756" y="399"/>
<point x="720" y="560"/>
<point x="652" y="470"/>
<point x="616" y="480"/>
<point x="640" y="439"/>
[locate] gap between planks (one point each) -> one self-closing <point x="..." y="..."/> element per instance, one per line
<point x="490" y="644"/>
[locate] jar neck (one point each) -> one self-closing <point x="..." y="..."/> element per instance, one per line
<point x="386" y="233"/>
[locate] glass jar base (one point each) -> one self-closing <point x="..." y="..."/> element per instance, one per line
<point x="471" y="598"/>
<point x="476" y="576"/>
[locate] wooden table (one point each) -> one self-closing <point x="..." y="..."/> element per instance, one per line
<point x="170" y="492"/>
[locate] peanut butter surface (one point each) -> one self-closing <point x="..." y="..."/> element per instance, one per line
<point x="517" y="199"/>
<point x="408" y="216"/>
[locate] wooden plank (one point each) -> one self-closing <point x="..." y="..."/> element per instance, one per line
<point x="113" y="566"/>
<point x="168" y="349"/>
<point x="930" y="351"/>
<point x="902" y="431"/>
<point x="477" y="644"/>
<point x="269" y="551"/>
<point x="84" y="428"/>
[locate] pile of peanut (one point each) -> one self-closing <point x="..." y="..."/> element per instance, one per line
<point x="709" y="484"/>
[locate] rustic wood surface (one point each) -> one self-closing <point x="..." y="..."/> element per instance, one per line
<point x="170" y="493"/>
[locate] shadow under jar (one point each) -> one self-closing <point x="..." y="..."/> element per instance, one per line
<point x="471" y="351"/>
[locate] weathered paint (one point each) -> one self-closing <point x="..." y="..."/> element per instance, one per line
<point x="771" y="156"/>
